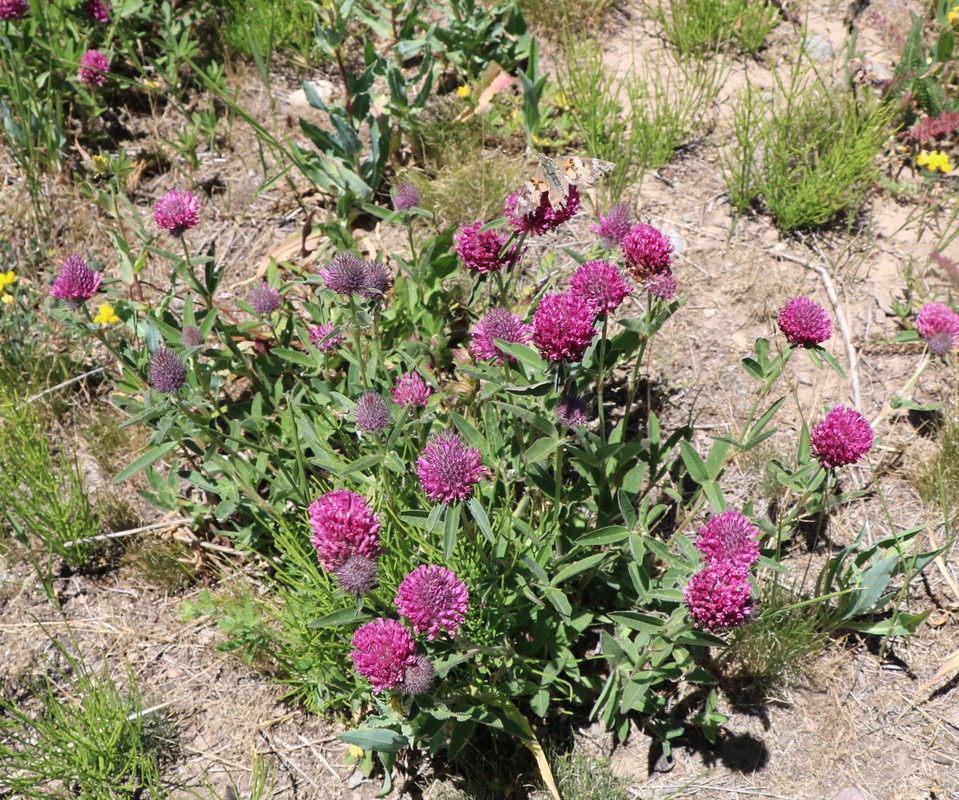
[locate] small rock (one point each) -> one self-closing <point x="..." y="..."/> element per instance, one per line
<point x="323" y="88"/>
<point x="818" y="48"/>
<point x="849" y="793"/>
<point x="709" y="313"/>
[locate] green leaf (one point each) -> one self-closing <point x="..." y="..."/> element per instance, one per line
<point x="523" y="353"/>
<point x="482" y="521"/>
<point x="294" y="357"/>
<point x="144" y="461"/>
<point x="614" y="534"/>
<point x="577" y="567"/>
<point x="541" y="450"/>
<point x="334" y="619"/>
<point x="694" y="464"/>
<point x="451" y="526"/>
<point x="379" y="740"/>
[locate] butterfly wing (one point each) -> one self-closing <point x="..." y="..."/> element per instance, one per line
<point x="529" y="197"/>
<point x="583" y="170"/>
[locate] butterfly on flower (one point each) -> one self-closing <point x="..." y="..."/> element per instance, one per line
<point x="553" y="178"/>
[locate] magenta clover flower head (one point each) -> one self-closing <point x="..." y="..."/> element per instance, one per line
<point x="406" y="196"/>
<point x="719" y="597"/>
<point x="939" y="326"/>
<point x="347" y="274"/>
<point x="600" y="285"/>
<point x="419" y="676"/>
<point x="98" y="10"/>
<point x="13" y="9"/>
<point x="843" y="437"/>
<point x="94" y="67"/>
<point x="343" y="526"/>
<point x="410" y="390"/>
<point x="572" y="411"/>
<point x="383" y="650"/>
<point x="448" y="468"/>
<point x="76" y="282"/>
<point x="177" y="212"/>
<point x="647" y="251"/>
<point x="804" y="322"/>
<point x="563" y="327"/>
<point x="661" y="285"/>
<point x="480" y="250"/>
<point x="377" y="281"/>
<point x="432" y="597"/>
<point x="612" y="228"/>
<point x="166" y="371"/>
<point x="325" y="337"/>
<point x="357" y="575"/>
<point x="729" y="538"/>
<point x="498" y="323"/>
<point x="544" y="217"/>
<point x="372" y="415"/>
<point x="190" y="336"/>
<point x="264" y="299"/>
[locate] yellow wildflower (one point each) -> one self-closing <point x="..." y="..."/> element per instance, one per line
<point x="6" y="298"/>
<point x="355" y="751"/>
<point x="953" y="15"/>
<point x="7" y="279"/>
<point x="936" y="160"/>
<point x="101" y="165"/>
<point x="106" y="315"/>
<point x="463" y="92"/>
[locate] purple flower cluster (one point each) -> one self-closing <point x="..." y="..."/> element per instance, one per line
<point x="176" y="212"/>
<point x="406" y="196"/>
<point x="563" y="327"/>
<point x="384" y="650"/>
<point x="612" y="228"/>
<point x="600" y="285"/>
<point x="410" y="390"/>
<point x="431" y="598"/>
<point x="647" y="252"/>
<point x="719" y="596"/>
<point x="372" y="415"/>
<point x="94" y="67"/>
<point x="544" y="217"/>
<point x="190" y="336"/>
<point x="13" y="9"/>
<point x="98" y="10"/>
<point x="729" y="538"/>
<point x="498" y="323"/>
<point x="264" y="299"/>
<point x="939" y="326"/>
<point x="166" y="371"/>
<point x="76" y="282"/>
<point x="804" y="322"/>
<point x="343" y="526"/>
<point x="844" y="436"/>
<point x="572" y="411"/>
<point x="661" y="285"/>
<point x="325" y="337"/>
<point x="346" y="274"/>
<point x="483" y="251"/>
<point x="448" y="468"/>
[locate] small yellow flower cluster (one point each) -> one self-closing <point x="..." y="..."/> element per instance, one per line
<point x="953" y="15"/>
<point x="100" y="165"/>
<point x="463" y="92"/>
<point x="106" y="315"/>
<point x="7" y="280"/>
<point x="936" y="160"/>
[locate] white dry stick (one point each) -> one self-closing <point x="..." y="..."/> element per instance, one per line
<point x="851" y="355"/>
<point x="66" y="383"/>
<point x="103" y="537"/>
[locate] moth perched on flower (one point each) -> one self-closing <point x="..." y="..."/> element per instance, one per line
<point x="553" y="178"/>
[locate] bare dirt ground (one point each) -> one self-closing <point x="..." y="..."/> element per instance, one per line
<point x="856" y="720"/>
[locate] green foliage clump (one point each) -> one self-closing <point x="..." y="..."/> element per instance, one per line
<point x="81" y="735"/>
<point x="808" y="157"/>
<point x="700" y="27"/>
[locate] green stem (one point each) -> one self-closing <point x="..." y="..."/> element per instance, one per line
<point x="600" y="379"/>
